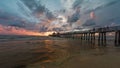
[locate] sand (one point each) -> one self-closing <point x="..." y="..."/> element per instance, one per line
<point x="47" y="52"/>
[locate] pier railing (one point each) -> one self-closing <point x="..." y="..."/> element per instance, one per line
<point x="90" y="34"/>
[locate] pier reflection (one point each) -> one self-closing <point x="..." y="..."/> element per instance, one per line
<point x="62" y="51"/>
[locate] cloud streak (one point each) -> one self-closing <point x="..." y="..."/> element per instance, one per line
<point x="32" y="15"/>
<point x="11" y="30"/>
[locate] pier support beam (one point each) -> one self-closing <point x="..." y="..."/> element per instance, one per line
<point x="102" y="38"/>
<point x="92" y="37"/>
<point x="85" y="36"/>
<point x="117" y="38"/>
<point x="81" y="36"/>
<point x="88" y="36"/>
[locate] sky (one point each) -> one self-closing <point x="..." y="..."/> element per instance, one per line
<point x="35" y="17"/>
<point x="52" y="4"/>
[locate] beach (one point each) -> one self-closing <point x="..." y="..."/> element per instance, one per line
<point x="49" y="52"/>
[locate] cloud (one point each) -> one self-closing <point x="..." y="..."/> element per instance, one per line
<point x="11" y="30"/>
<point x="77" y="4"/>
<point x="67" y="4"/>
<point x="90" y="23"/>
<point x="74" y="17"/>
<point x="33" y="15"/>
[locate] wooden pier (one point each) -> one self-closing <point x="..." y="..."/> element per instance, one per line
<point x="90" y="34"/>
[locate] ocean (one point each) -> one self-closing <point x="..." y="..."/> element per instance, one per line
<point x="52" y="52"/>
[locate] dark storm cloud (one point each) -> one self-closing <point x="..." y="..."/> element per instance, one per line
<point x="108" y="15"/>
<point x="43" y="28"/>
<point x="49" y="15"/>
<point x="57" y="29"/>
<point x="37" y="8"/>
<point x="74" y="18"/>
<point x="89" y="22"/>
<point x="9" y="19"/>
<point x="107" y="12"/>
<point x="76" y="9"/>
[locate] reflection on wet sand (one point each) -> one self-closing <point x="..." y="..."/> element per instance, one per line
<point x="76" y="54"/>
<point x="58" y="53"/>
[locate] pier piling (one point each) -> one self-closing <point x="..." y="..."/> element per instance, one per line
<point x="89" y="35"/>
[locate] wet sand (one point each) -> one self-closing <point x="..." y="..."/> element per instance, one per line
<point x="47" y="52"/>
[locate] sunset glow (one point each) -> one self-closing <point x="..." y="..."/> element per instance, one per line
<point x="41" y="17"/>
<point x="9" y="30"/>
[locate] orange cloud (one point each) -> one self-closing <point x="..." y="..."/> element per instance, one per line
<point x="11" y="30"/>
<point x="92" y="15"/>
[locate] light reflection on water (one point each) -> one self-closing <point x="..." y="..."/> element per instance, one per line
<point x="76" y="54"/>
<point x="62" y="53"/>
